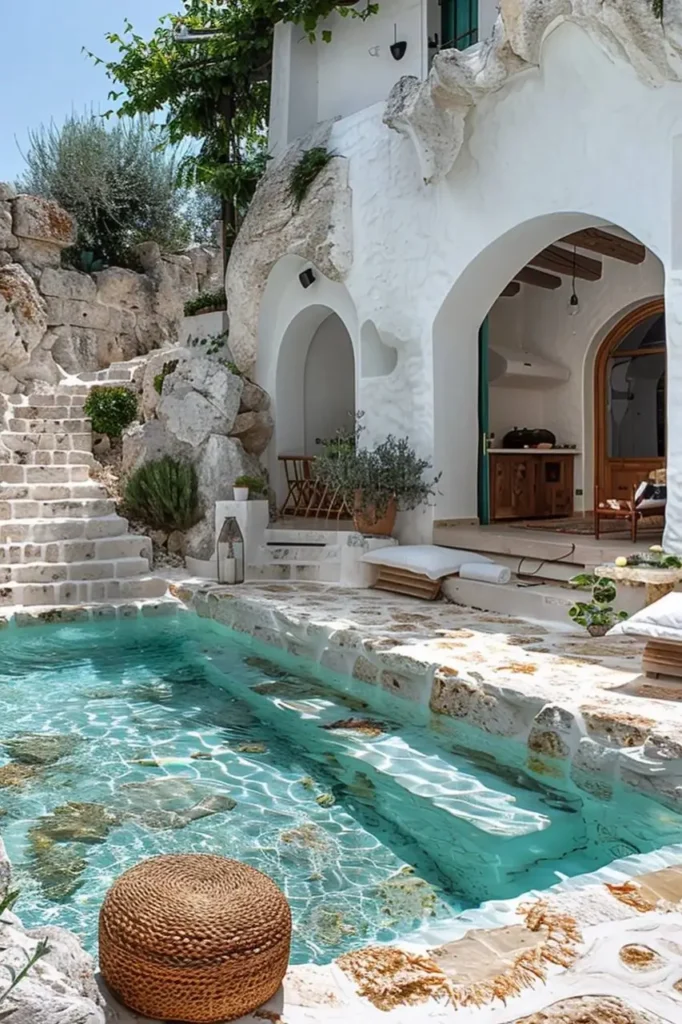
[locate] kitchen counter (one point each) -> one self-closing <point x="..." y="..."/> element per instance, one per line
<point x="534" y="451"/>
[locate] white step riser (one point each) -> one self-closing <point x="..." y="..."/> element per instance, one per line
<point x="61" y="442"/>
<point x="52" y="412"/>
<point x="15" y="474"/>
<point x="51" y="458"/>
<point x="107" y="377"/>
<point x="32" y="594"/>
<point x="38" y="572"/>
<point x="61" y="530"/>
<point x="51" y="426"/>
<point x="55" y="552"/>
<point x="322" y="572"/>
<point x="86" y="509"/>
<point x="300" y="555"/>
<point x="285" y="538"/>
<point x="45" y="405"/>
<point x="51" y="492"/>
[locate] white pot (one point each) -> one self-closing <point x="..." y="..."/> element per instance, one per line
<point x="241" y="493"/>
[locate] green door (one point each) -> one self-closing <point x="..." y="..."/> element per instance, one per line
<point x="458" y="24"/>
<point x="483" y="427"/>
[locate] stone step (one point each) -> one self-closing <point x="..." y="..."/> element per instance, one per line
<point x="51" y="426"/>
<point x="56" y="572"/>
<point x="84" y="592"/>
<point x="75" y="390"/>
<point x="58" y="412"/>
<point x="109" y="376"/>
<point x="300" y="554"/>
<point x="282" y="535"/>
<point x="63" y="529"/>
<point x="46" y="458"/>
<point x="86" y="508"/>
<point x="13" y="473"/>
<point x="126" y="546"/>
<point x="51" y="491"/>
<point x="45" y="403"/>
<point x="63" y="441"/>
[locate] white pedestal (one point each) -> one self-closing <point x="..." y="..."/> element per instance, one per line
<point x="253" y="518"/>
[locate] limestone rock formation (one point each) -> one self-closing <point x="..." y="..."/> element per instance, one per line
<point x="319" y="231"/>
<point x="432" y="113"/>
<point x="200" y="398"/>
<point x="254" y="430"/>
<point x="153" y="367"/>
<point x="254" y="398"/>
<point x="5" y="870"/>
<point x="23" y="319"/>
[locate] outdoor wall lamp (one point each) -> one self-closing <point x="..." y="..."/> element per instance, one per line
<point x="306" y="277"/>
<point x="397" y="47"/>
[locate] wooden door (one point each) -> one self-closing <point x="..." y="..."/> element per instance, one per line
<point x="554" y="485"/>
<point x="629" y="401"/>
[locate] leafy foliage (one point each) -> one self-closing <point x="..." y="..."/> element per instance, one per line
<point x="205" y="301"/>
<point x="164" y="494"/>
<point x="168" y="368"/>
<point x="214" y="344"/>
<point x="215" y="91"/>
<point x="598" y="613"/>
<point x="87" y="263"/>
<point x="254" y="483"/>
<point x="41" y="950"/>
<point x="369" y="478"/>
<point x="117" y="183"/>
<point x="111" y="409"/>
<point x="304" y="172"/>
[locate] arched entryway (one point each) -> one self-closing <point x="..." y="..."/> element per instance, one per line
<point x="630" y="401"/>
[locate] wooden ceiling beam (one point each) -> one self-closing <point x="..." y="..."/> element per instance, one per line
<point x="563" y="261"/>
<point x="607" y="244"/>
<point x="513" y="288"/>
<point x="537" y="278"/>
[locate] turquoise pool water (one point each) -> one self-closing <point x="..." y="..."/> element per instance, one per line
<point x="121" y="740"/>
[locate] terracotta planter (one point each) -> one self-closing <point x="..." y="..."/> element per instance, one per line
<point x="366" y="521"/>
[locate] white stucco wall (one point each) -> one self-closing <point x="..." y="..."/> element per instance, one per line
<point x="580" y="141"/>
<point x="329" y="383"/>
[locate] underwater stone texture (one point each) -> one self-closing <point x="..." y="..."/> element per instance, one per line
<point x="579" y="705"/>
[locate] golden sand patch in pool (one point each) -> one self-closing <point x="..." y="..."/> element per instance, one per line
<point x="639" y="958"/>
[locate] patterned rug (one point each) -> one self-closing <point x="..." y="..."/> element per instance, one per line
<point x="584" y="525"/>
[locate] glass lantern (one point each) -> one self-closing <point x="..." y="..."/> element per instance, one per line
<point x="230" y="552"/>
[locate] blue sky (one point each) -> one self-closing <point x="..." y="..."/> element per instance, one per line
<point x="43" y="74"/>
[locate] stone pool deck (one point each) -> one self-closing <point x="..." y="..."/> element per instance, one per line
<point x="580" y="706"/>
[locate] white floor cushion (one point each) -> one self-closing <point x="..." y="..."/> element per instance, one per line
<point x="427" y="559"/>
<point x="659" y="621"/>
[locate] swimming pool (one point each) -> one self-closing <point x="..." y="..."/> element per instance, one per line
<point x="122" y="739"/>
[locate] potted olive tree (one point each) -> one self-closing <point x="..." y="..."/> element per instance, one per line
<point x="375" y="482"/>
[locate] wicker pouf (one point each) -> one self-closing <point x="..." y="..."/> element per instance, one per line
<point x="192" y="937"/>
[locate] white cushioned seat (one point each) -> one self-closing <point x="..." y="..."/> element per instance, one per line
<point x="659" y="621"/>
<point x="426" y="559"/>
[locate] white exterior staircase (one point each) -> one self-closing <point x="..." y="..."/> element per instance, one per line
<point x="61" y="541"/>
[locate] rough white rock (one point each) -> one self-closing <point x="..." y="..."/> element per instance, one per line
<point x="254" y="430"/>
<point x="85" y="348"/>
<point x="117" y="286"/>
<point x="23" y="320"/>
<point x="7" y="191"/>
<point x="144" y="442"/>
<point x="42" y="365"/>
<point x="218" y="463"/>
<point x="7" y="239"/>
<point x="153" y="366"/>
<point x="68" y="284"/>
<point x="43" y="221"/>
<point x="5" y="870"/>
<point x="200" y="398"/>
<point x="320" y="231"/>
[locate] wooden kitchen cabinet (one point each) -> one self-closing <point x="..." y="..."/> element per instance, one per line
<point x="530" y="485"/>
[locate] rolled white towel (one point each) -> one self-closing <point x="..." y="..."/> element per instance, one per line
<point x="486" y="572"/>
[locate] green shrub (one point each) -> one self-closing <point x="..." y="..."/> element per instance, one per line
<point x="214" y="343"/>
<point x="111" y="409"/>
<point x="164" y="494"/>
<point x="168" y="368"/>
<point x="255" y="484"/>
<point x="206" y="301"/>
<point x="304" y="172"/>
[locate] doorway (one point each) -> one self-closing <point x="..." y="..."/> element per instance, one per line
<point x="630" y="402"/>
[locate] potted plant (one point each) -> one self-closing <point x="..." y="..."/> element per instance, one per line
<point x="597" y="615"/>
<point x="374" y="482"/>
<point x="245" y="485"/>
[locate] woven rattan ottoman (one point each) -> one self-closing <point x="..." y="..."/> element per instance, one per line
<point x="193" y="937"/>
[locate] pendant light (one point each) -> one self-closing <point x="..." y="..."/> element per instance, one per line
<point x="574" y="301"/>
